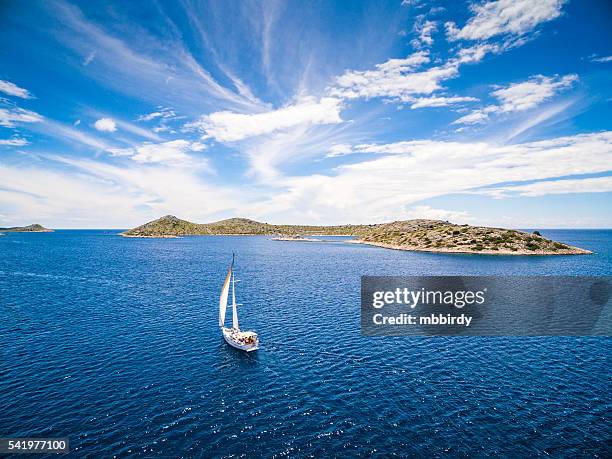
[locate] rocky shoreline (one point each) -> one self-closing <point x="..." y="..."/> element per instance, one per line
<point x="572" y="251"/>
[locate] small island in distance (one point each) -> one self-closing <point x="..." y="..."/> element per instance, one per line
<point x="35" y="228"/>
<point x="413" y="235"/>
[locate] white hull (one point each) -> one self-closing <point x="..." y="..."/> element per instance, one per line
<point x="243" y="340"/>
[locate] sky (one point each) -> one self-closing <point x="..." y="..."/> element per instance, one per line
<point x="490" y="113"/>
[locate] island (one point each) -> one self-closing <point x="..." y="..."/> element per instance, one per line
<point x="413" y="235"/>
<point x="35" y="228"/>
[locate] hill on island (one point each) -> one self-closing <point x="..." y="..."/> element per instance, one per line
<point x="35" y="228"/>
<point x="172" y="226"/>
<point x="418" y="235"/>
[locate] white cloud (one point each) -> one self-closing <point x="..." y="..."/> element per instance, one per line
<point x="230" y="127"/>
<point x="440" y="101"/>
<point x="149" y="116"/>
<point x="10" y="116"/>
<point x="93" y="194"/>
<point x="519" y="97"/>
<point x="601" y="59"/>
<point x="174" y="151"/>
<point x="476" y="117"/>
<point x="394" y="78"/>
<point x="14" y="142"/>
<point x="164" y="113"/>
<point x="424" y="28"/>
<point x="430" y="213"/>
<point x="13" y="90"/>
<point x="505" y="17"/>
<point x="401" y="79"/>
<point x="339" y="149"/>
<point x="476" y="53"/>
<point x="529" y="94"/>
<point x="105" y="125"/>
<point x="584" y="185"/>
<point x="403" y="173"/>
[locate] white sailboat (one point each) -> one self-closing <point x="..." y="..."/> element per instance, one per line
<point x="243" y="340"/>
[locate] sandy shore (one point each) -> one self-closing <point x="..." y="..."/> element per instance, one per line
<point x="573" y="251"/>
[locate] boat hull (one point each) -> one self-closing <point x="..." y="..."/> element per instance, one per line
<point x="238" y="339"/>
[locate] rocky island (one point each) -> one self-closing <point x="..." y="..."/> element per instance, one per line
<point x="416" y="235"/>
<point x="35" y="228"/>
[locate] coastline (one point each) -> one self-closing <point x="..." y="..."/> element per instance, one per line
<point x="281" y="238"/>
<point x="164" y="236"/>
<point x="295" y="239"/>
<point x="574" y="251"/>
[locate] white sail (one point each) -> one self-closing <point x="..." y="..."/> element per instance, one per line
<point x="224" y="294"/>
<point x="234" y="310"/>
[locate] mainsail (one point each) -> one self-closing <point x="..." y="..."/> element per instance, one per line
<point x="224" y="294"/>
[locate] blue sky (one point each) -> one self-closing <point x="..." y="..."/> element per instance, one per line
<point x="492" y="113"/>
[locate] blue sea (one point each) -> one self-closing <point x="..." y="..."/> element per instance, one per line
<point x="114" y="343"/>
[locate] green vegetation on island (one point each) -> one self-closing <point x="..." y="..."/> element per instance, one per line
<point x="441" y="236"/>
<point x="172" y="226"/>
<point x="35" y="228"/>
<point x="419" y="235"/>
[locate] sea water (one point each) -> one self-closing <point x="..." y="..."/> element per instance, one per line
<point x="114" y="343"/>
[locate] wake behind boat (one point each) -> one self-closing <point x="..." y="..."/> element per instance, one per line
<point x="243" y="340"/>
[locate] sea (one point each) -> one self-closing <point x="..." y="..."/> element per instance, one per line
<point x="114" y="344"/>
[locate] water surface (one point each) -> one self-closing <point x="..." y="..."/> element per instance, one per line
<point x="114" y="343"/>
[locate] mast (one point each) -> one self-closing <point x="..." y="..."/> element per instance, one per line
<point x="234" y="309"/>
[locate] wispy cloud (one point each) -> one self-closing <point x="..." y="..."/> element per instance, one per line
<point x="600" y="59"/>
<point x="144" y="67"/>
<point x="440" y="101"/>
<point x="12" y="89"/>
<point x="519" y="97"/>
<point x="171" y="152"/>
<point x="162" y="113"/>
<point x="583" y="185"/>
<point x="529" y="94"/>
<point x="71" y="134"/>
<point x="9" y="117"/>
<point x="14" y="142"/>
<point x="89" y="59"/>
<point x="501" y="17"/>
<point x="552" y="112"/>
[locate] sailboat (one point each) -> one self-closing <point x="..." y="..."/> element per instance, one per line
<point x="243" y="340"/>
